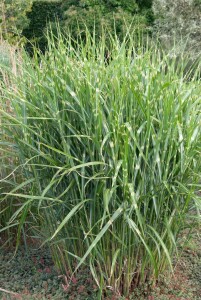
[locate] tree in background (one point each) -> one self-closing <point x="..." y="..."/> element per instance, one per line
<point x="13" y="18"/>
<point x="22" y="18"/>
<point x="179" y="21"/>
<point x="96" y="13"/>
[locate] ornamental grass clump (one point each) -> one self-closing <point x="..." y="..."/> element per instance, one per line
<point x="108" y="140"/>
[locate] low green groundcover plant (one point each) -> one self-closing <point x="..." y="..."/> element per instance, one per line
<point x="108" y="140"/>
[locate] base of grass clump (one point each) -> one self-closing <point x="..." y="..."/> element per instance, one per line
<point x="33" y="276"/>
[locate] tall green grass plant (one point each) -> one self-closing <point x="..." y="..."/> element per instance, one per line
<point x="109" y="148"/>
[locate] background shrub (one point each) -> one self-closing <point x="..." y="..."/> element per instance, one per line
<point x="21" y="20"/>
<point x="113" y="14"/>
<point x="179" y="21"/>
<point x="41" y="13"/>
<point x="13" y="19"/>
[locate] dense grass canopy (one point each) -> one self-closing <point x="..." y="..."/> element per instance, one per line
<point x="108" y="145"/>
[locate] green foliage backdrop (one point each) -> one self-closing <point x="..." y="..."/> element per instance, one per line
<point x="13" y="18"/>
<point x="28" y="19"/>
<point x="21" y="20"/>
<point x="41" y="13"/>
<point x="96" y="13"/>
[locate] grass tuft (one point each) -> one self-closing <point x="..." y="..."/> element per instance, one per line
<point x="108" y="140"/>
